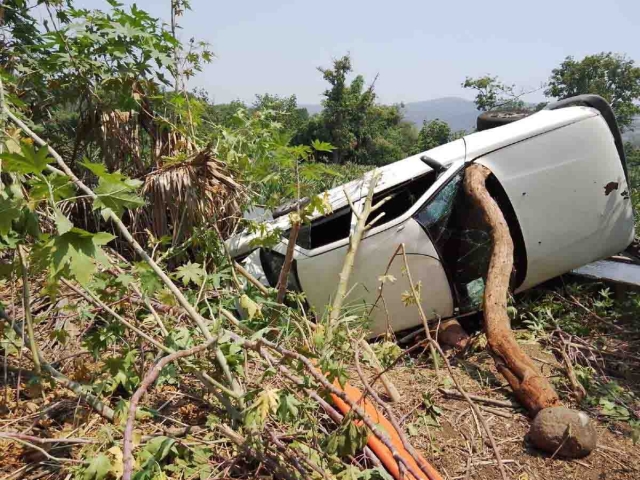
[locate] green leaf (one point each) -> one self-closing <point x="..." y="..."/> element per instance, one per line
<point x="28" y="161"/>
<point x="115" y="191"/>
<point x="191" y="272"/>
<point x="79" y="250"/>
<point x="160" y="447"/>
<point x="149" y="281"/>
<point x="9" y="211"/>
<point x="116" y="197"/>
<point x="60" y="186"/>
<point x="63" y="224"/>
<point x="322" y="146"/>
<point x="348" y="439"/>
<point x="288" y="408"/>
<point x="98" y="469"/>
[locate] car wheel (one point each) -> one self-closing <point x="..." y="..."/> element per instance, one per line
<point x="489" y="120"/>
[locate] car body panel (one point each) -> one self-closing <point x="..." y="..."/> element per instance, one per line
<point x="558" y="190"/>
<point x="318" y="275"/>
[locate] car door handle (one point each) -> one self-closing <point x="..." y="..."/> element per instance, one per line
<point x="400" y="228"/>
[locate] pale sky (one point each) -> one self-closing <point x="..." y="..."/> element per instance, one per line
<point x="421" y="49"/>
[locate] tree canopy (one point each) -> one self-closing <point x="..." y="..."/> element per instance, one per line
<point x="610" y="75"/>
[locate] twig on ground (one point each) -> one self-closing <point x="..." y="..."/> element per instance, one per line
<point x="424" y="466"/>
<point x="41" y="450"/>
<point x="476" y="410"/>
<point x="477" y="398"/>
<point x="149" y="378"/>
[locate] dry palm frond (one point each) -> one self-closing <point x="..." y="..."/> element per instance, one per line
<point x="120" y="140"/>
<point x="196" y="192"/>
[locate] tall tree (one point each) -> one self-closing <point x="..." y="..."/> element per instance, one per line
<point x="493" y="94"/>
<point x="284" y="109"/>
<point x="610" y="75"/>
<point x="345" y="106"/>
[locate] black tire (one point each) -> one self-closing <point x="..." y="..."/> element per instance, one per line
<point x="489" y="120"/>
<point x="290" y="207"/>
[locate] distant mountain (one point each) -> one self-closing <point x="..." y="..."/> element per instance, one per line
<point x="459" y="113"/>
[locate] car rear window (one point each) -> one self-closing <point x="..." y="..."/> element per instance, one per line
<point x="403" y="197"/>
<point x="325" y="230"/>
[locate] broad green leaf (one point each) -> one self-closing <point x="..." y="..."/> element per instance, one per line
<point x="63" y="224"/>
<point x="191" y="272"/>
<point x="159" y="447"/>
<point x="348" y="439"/>
<point x="60" y="186"/>
<point x="322" y="146"/>
<point x="98" y="469"/>
<point x="27" y="161"/>
<point x="79" y="250"/>
<point x="115" y="191"/>
<point x="9" y="211"/>
<point x="116" y="197"/>
<point x="149" y="281"/>
<point x="288" y="408"/>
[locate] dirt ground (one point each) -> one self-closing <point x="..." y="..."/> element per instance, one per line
<point x="457" y="447"/>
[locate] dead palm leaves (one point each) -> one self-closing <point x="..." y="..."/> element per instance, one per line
<point x="196" y="192"/>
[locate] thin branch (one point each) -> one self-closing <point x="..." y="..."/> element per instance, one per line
<point x="124" y="232"/>
<point x="475" y="409"/>
<point x="26" y="301"/>
<point x="149" y="378"/>
<point x="427" y="469"/>
<point x="349" y="260"/>
<point x="288" y="260"/>
<point x="41" y="450"/>
<point x="423" y="317"/>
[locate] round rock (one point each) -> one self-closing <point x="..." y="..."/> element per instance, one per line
<point x="569" y="432"/>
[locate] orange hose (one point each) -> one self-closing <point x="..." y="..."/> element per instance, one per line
<point x="381" y="451"/>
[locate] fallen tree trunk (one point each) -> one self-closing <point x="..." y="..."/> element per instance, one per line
<point x="531" y="388"/>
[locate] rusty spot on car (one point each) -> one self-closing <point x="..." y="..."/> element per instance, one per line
<point x="610" y="187"/>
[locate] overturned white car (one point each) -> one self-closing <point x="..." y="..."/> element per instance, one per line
<point x="559" y="175"/>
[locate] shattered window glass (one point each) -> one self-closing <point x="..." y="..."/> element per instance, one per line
<point x="461" y="237"/>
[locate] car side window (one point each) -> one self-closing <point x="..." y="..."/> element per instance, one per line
<point x="403" y="197"/>
<point x="325" y="230"/>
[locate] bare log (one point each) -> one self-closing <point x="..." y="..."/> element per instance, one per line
<point x="531" y="388"/>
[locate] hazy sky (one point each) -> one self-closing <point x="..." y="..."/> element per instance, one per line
<point x="420" y="49"/>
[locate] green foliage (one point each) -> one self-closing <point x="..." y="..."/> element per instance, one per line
<point x="98" y="468"/>
<point x="361" y="130"/>
<point x="493" y="94"/>
<point x="28" y="161"/>
<point x="610" y="75"/>
<point x="348" y="439"/>
<point x="115" y="192"/>
<point x="285" y="110"/>
<point x="433" y="134"/>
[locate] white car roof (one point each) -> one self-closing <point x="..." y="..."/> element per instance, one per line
<point x="469" y="147"/>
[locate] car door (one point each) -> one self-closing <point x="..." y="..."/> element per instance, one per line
<point x="318" y="272"/>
